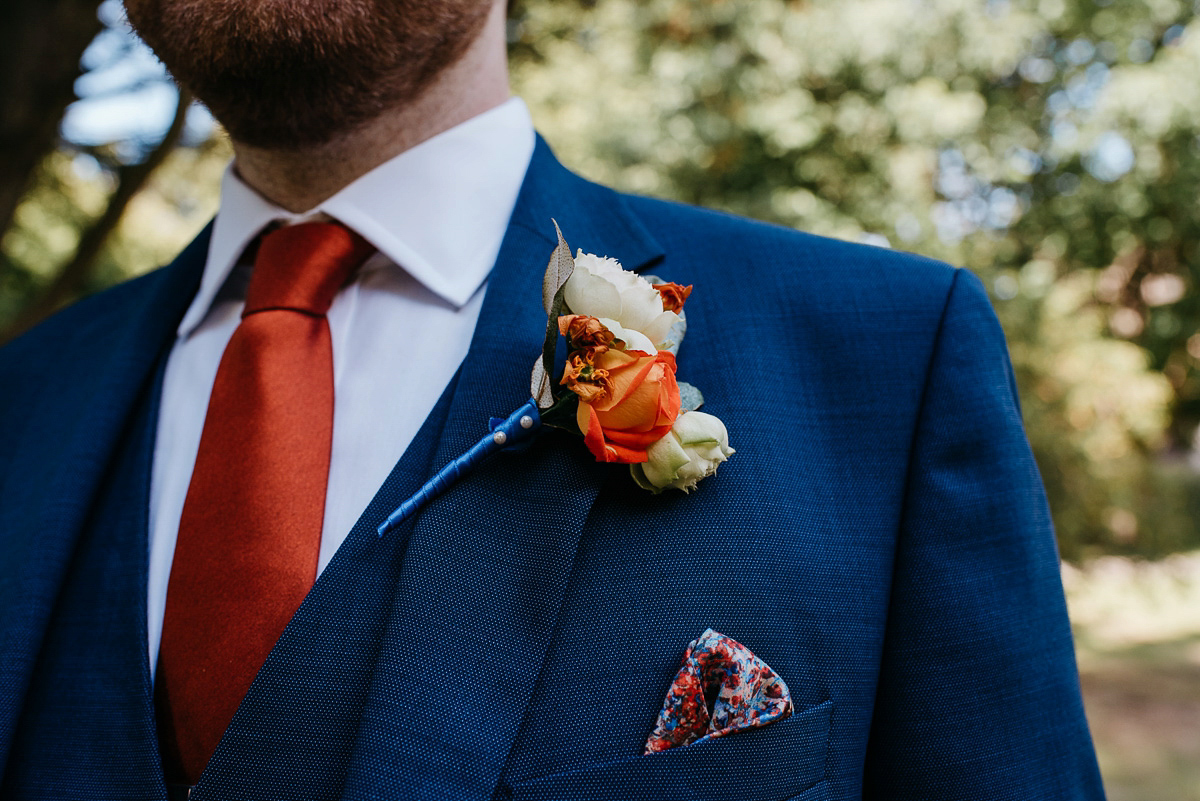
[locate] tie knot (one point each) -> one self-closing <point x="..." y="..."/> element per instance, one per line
<point x="302" y="267"/>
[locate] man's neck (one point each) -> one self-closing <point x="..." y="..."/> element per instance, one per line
<point x="298" y="180"/>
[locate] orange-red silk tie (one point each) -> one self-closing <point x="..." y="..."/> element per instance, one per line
<point x="250" y="533"/>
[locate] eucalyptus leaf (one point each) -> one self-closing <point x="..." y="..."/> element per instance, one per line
<point x="539" y="386"/>
<point x="561" y="265"/>
<point x="557" y="271"/>
<point x="690" y="398"/>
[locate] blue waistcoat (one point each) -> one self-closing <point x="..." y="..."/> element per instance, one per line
<point x="880" y="538"/>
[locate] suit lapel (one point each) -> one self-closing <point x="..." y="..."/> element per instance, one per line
<point x="106" y="363"/>
<point x="486" y="566"/>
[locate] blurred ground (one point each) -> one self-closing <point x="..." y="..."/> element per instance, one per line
<point x="1137" y="631"/>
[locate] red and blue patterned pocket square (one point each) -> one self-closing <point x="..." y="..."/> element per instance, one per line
<point x="747" y="694"/>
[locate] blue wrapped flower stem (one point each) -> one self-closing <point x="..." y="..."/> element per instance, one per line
<point x="506" y="434"/>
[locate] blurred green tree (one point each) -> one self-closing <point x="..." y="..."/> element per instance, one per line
<point x="41" y="42"/>
<point x="62" y="193"/>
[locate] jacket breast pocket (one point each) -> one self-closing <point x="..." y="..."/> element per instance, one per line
<point x="776" y="762"/>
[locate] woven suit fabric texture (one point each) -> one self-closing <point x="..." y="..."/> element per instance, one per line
<point x="880" y="539"/>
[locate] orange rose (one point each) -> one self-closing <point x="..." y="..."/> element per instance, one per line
<point x="582" y="377"/>
<point x="639" y="410"/>
<point x="582" y="331"/>
<point x="673" y="295"/>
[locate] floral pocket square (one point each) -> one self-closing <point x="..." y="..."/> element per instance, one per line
<point x="744" y="691"/>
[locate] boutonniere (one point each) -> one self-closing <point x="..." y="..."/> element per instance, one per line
<point x="617" y="389"/>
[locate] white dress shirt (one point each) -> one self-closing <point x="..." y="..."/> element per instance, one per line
<point x="437" y="214"/>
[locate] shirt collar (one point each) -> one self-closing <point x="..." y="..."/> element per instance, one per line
<point x="439" y="209"/>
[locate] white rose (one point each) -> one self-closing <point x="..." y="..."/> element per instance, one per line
<point x="693" y="449"/>
<point x="600" y="288"/>
<point x="633" y="339"/>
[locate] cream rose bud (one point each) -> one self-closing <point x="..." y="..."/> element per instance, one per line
<point x="696" y="445"/>
<point x="600" y="288"/>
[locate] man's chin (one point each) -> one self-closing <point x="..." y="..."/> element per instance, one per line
<point x="305" y="116"/>
<point x="296" y="75"/>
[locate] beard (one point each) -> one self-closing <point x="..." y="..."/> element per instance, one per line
<point x="291" y="74"/>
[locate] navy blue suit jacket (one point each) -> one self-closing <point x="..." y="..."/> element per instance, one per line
<point x="881" y="539"/>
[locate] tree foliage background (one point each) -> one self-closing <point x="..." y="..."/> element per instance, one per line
<point x="1051" y="146"/>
